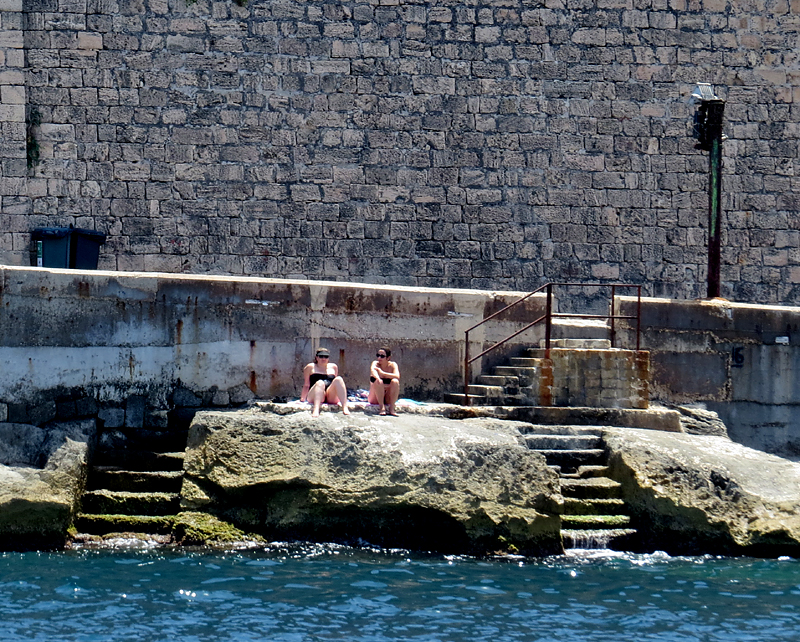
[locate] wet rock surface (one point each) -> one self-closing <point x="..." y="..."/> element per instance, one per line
<point x="691" y="494"/>
<point x="414" y="481"/>
<point x="42" y="477"/>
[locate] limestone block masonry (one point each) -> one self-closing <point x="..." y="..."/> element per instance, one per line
<point x="490" y="145"/>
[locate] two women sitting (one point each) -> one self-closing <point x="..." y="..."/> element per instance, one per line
<point x="322" y="383"/>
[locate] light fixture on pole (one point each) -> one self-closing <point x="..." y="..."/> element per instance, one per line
<point x="708" y="120"/>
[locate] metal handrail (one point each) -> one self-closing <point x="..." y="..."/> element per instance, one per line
<point x="548" y="319"/>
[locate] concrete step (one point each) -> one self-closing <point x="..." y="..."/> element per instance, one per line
<point x="526" y="362"/>
<point x="595" y="522"/>
<point x="143" y="460"/>
<point x="653" y="419"/>
<point x="526" y="376"/>
<point x="618" y="539"/>
<point x="493" y="394"/>
<point x="105" y="524"/>
<point x="578" y="344"/>
<point x="116" y="502"/>
<point x="563" y="442"/>
<point x="575" y="328"/>
<point x="591" y="488"/>
<point x="481" y="400"/>
<point x="574" y="506"/>
<point x="570" y="460"/>
<point x="168" y="481"/>
<point x="458" y="399"/>
<point x="494" y="380"/>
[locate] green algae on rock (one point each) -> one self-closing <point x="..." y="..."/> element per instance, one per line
<point x="191" y="528"/>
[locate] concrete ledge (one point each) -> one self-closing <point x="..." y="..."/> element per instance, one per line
<point x="651" y="419"/>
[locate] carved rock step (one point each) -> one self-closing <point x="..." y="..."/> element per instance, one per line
<point x="585" y="472"/>
<point x="574" y="506"/>
<point x="621" y="539"/>
<point x="556" y="429"/>
<point x="594" y="522"/>
<point x="591" y="488"/>
<point x="161" y="440"/>
<point x="570" y="460"/>
<point x="110" y="478"/>
<point x="564" y="442"/>
<point x="117" y="502"/>
<point x="105" y="524"/>
<point x="143" y="460"/>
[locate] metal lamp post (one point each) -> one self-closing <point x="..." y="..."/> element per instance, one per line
<point x="708" y="131"/>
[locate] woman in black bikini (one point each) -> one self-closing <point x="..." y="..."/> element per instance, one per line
<point x="384" y="382"/>
<point x="322" y="383"/>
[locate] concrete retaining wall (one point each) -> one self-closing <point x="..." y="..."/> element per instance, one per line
<point x="741" y="360"/>
<point x="130" y="347"/>
<point x="134" y="345"/>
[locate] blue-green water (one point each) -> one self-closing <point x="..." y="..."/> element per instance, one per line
<point x="332" y="593"/>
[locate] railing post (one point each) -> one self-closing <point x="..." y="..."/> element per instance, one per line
<point x="548" y="320"/>
<point x="466" y="370"/>
<point x="638" y="315"/>
<point x="613" y="328"/>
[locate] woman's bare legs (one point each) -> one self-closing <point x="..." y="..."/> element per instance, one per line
<point x="383" y="395"/>
<point x="392" y="394"/>
<point x="337" y="392"/>
<point x="377" y="394"/>
<point x="316" y="395"/>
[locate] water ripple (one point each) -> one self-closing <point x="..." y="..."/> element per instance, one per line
<point x="311" y="593"/>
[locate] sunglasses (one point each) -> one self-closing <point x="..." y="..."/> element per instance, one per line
<point x="381" y="356"/>
<point x="323" y="356"/>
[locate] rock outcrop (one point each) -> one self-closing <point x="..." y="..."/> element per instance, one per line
<point x="426" y="483"/>
<point x="42" y="476"/>
<point x="691" y="494"/>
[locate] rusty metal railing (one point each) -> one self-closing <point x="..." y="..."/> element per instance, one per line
<point x="548" y="316"/>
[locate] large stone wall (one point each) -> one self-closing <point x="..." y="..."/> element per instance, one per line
<point x="495" y="144"/>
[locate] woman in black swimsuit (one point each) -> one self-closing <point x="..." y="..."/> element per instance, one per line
<point x="322" y="383"/>
<point x="384" y="382"/>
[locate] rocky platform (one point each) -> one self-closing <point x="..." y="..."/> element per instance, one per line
<point x="439" y="478"/>
<point x="414" y="481"/>
<point x="691" y="494"/>
<point x="42" y="477"/>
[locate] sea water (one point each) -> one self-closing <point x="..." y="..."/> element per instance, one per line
<point x="299" y="593"/>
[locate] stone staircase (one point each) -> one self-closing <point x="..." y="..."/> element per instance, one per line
<point x="594" y="514"/>
<point x="579" y="372"/>
<point x="135" y="482"/>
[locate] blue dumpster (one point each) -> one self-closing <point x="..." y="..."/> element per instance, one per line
<point x="52" y="246"/>
<point x="67" y="247"/>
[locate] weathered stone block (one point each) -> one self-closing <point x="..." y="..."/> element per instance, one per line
<point x="135" y="407"/>
<point x="436" y="484"/>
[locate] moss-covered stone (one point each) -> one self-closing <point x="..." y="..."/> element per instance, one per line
<point x="204" y="529"/>
<point x="103" y="524"/>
